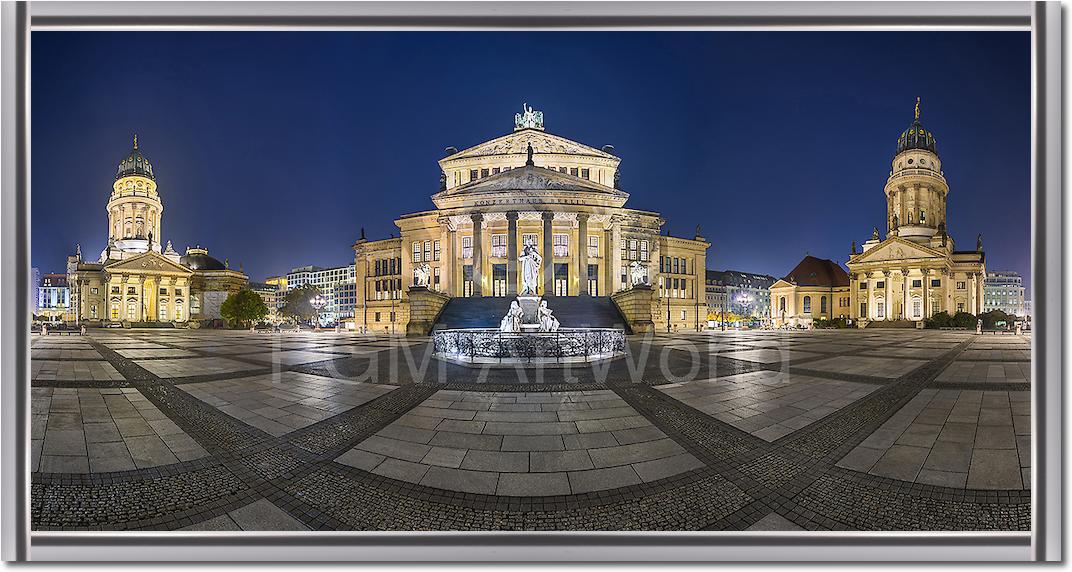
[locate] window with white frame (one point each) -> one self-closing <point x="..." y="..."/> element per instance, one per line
<point x="643" y="251"/>
<point x="593" y="246"/>
<point x="561" y="244"/>
<point x="498" y="245"/>
<point x="528" y="239"/>
<point x="417" y="251"/>
<point x="435" y="250"/>
<point x="427" y="250"/>
<point x="467" y="247"/>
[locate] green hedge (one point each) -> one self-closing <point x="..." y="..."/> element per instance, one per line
<point x="958" y="320"/>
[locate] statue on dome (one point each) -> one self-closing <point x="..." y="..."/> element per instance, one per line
<point x="530" y="270"/>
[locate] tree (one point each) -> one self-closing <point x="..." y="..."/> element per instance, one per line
<point x="243" y="307"/>
<point x="299" y="303"/>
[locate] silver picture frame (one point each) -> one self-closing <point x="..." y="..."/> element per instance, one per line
<point x="21" y="19"/>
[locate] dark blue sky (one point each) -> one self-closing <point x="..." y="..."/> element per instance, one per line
<point x="273" y="149"/>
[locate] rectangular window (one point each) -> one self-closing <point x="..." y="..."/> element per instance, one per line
<point x="163" y="313"/>
<point x="427" y="250"/>
<point x="643" y="251"/>
<point x="863" y="309"/>
<point x="435" y="251"/>
<point x="416" y="252"/>
<point x="917" y="283"/>
<point x="495" y="171"/>
<point x="677" y="266"/>
<point x="467" y="280"/>
<point x="593" y="246"/>
<point x="936" y="282"/>
<point x="473" y="174"/>
<point x="561" y="244"/>
<point x="132" y="311"/>
<point x="498" y="245"/>
<point x="960" y="306"/>
<point x="573" y="171"/>
<point x="881" y="309"/>
<point x="483" y="173"/>
<point x="163" y="291"/>
<point x="584" y="174"/>
<point x="92" y="290"/>
<point x="863" y="285"/>
<point x="634" y="249"/>
<point x="377" y="316"/>
<point x="961" y="285"/>
<point x="93" y="311"/>
<point x="561" y="272"/>
<point x="467" y="247"/>
<point x="917" y="307"/>
<point x="132" y="290"/>
<point x="934" y="307"/>
<point x="593" y="280"/>
<point x="528" y="239"/>
<point x="561" y="169"/>
<point x="683" y="314"/>
<point x="435" y="277"/>
<point x="880" y="284"/>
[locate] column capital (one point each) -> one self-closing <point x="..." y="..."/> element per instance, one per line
<point x="477" y="217"/>
<point x="547" y="216"/>
<point x="512" y="215"/>
<point x="583" y="217"/>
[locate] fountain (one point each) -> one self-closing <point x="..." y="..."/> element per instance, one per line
<point x="529" y="332"/>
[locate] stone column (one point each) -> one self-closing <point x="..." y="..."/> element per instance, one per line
<point x="511" y="253"/>
<point x="615" y="258"/>
<point x="548" y="255"/>
<point x="888" y="307"/>
<point x="905" y="314"/>
<point x="926" y="293"/>
<point x="870" y="296"/>
<point x="608" y="270"/>
<point x="854" y="287"/>
<point x="582" y="252"/>
<point x="478" y="254"/>
<point x="450" y="268"/>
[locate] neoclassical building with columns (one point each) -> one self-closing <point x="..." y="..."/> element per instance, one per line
<point x="915" y="271"/>
<point x="136" y="279"/>
<point x="531" y="187"/>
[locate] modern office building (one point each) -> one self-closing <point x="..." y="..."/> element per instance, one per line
<point x="334" y="285"/>
<point x="743" y="294"/>
<point x="1004" y="290"/>
<point x="53" y="299"/>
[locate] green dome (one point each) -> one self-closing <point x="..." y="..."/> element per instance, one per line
<point x="916" y="137"/>
<point x="134" y="164"/>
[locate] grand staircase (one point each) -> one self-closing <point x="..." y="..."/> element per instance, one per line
<point x="571" y="311"/>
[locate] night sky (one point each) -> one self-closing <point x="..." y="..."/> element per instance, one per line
<point x="272" y="150"/>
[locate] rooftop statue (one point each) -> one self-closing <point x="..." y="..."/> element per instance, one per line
<point x="528" y="119"/>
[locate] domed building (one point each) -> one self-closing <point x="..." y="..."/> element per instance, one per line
<point x="530" y="191"/>
<point x="136" y="279"/>
<point x="915" y="271"/>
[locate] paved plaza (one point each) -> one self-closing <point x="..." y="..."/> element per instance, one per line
<point x="763" y="430"/>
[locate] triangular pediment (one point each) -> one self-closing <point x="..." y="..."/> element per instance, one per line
<point x="896" y="248"/>
<point x="531" y="179"/>
<point x="781" y="283"/>
<point x="148" y="263"/>
<point x="517" y="143"/>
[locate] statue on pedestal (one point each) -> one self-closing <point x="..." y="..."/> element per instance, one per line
<point x="530" y="270"/>
<point x="422" y="274"/>
<point x="638" y="273"/>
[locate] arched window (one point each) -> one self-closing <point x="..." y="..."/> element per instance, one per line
<point x="822" y="305"/>
<point x="781" y="304"/>
<point x="807" y="304"/>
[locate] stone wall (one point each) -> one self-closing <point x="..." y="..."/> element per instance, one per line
<point x="424" y="307"/>
<point x="635" y="304"/>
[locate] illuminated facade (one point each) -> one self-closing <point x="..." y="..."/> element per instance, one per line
<point x="530" y="187"/>
<point x="135" y="279"/>
<point x="915" y="271"/>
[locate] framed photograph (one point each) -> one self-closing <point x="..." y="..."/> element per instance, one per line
<point x="532" y="281"/>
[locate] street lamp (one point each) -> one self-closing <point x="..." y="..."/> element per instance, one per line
<point x="317" y="303"/>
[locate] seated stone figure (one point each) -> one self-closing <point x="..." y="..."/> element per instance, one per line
<point x="548" y="323"/>
<point x="511" y="322"/>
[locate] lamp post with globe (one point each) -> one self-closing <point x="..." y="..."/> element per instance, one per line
<point x="318" y="302"/>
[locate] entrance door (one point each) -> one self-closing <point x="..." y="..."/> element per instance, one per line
<point x="498" y="280"/>
<point x="561" y="279"/>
